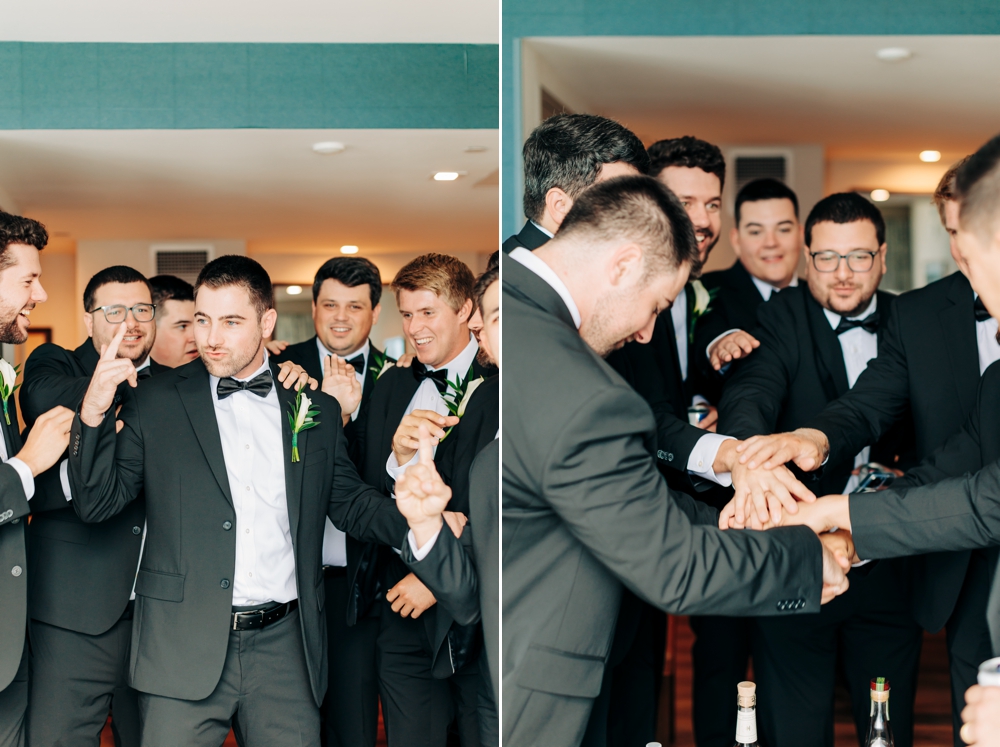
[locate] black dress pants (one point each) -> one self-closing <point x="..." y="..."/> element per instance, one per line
<point x="350" y="709"/>
<point x="869" y="631"/>
<point x="14" y="704"/>
<point x="719" y="660"/>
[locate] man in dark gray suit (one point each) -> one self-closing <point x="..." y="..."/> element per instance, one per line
<point x="20" y="463"/>
<point x="585" y="511"/>
<point x="229" y="625"/>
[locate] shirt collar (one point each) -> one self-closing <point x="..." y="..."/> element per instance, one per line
<point x="766" y="289"/>
<point x="325" y="351"/>
<point x="546" y="273"/>
<point x="145" y="364"/>
<point x="544" y="230"/>
<point x="834" y="318"/>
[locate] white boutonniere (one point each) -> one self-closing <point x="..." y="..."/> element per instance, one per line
<point x="458" y="395"/>
<point x="301" y="418"/>
<point x="380" y="363"/>
<point x="8" y="377"/>
<point x="703" y="298"/>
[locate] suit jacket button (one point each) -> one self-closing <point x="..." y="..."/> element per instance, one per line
<point x="661" y="455"/>
<point x="224" y="583"/>
<point x="15" y="571"/>
<point x="15" y="521"/>
<point x="670" y="457"/>
<point x="136" y="530"/>
<point x="227" y="525"/>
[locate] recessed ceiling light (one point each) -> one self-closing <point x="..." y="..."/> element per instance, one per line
<point x="293" y="290"/>
<point x="349" y="249"/>
<point x="446" y="176"/>
<point x="328" y="147"/>
<point x="880" y="195"/>
<point x="930" y="156"/>
<point x="476" y="149"/>
<point x="894" y="54"/>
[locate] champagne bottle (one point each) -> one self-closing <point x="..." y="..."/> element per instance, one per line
<point x="746" y="714"/>
<point x="879" y="731"/>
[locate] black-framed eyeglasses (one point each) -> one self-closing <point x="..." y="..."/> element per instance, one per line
<point x="829" y="261"/>
<point x="116" y="313"/>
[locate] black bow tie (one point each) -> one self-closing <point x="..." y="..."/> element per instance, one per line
<point x="439" y="377"/>
<point x="868" y="324"/>
<point x="358" y="362"/>
<point x="981" y="313"/>
<point x="259" y="385"/>
<point x="143" y="373"/>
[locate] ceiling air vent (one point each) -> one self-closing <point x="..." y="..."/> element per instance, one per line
<point x="749" y="168"/>
<point x="184" y="262"/>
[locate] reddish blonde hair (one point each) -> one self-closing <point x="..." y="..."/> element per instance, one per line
<point x="447" y="277"/>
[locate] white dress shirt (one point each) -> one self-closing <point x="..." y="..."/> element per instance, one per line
<point x="334" y="540"/>
<point x="250" y="429"/>
<point x="859" y="347"/>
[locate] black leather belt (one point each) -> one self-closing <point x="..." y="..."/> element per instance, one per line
<point x="334" y="571"/>
<point x="261" y="618"/>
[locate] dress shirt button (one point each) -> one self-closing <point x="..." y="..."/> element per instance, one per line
<point x="136" y="530"/>
<point x="248" y="487"/>
<point x="250" y="574"/>
<point x="15" y="571"/>
<point x="247" y="446"/>
<point x="701" y="463"/>
<point x="227" y="525"/>
<point x="224" y="583"/>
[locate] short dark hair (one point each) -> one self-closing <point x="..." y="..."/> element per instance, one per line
<point x="446" y="276"/>
<point x="568" y="150"/>
<point x="114" y="274"/>
<point x="15" y="229"/>
<point x="248" y="274"/>
<point x="352" y="272"/>
<point x="946" y="189"/>
<point x="688" y="152"/>
<point x="765" y="189"/>
<point x="978" y="186"/>
<point x="170" y="288"/>
<point x="845" y="207"/>
<point x="484" y="281"/>
<point x="640" y="209"/>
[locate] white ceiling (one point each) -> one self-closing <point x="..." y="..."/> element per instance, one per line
<point x="830" y="90"/>
<point x="265" y="186"/>
<point x="318" y="21"/>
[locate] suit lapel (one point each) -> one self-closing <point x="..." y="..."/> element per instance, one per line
<point x="366" y="393"/>
<point x="9" y="430"/>
<point x="829" y="354"/>
<point x="196" y="396"/>
<point x="958" y="328"/>
<point x="293" y="470"/>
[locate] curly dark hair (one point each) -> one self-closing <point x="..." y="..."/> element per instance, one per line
<point x="689" y="152"/>
<point x="17" y="230"/>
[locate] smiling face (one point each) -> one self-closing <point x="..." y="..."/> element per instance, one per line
<point x="343" y="316"/>
<point x="20" y="291"/>
<point x="228" y="332"/>
<point x="437" y="332"/>
<point x="845" y="291"/>
<point x="701" y="195"/>
<point x="768" y="240"/>
<point x="139" y="336"/>
<point x="174" y="344"/>
<point x="485" y="325"/>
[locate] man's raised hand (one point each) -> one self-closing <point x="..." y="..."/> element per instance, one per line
<point x="340" y="383"/>
<point x="109" y="373"/>
<point x="421" y="494"/>
<point x="738" y="344"/>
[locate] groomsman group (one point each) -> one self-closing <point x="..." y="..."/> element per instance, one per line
<point x="198" y="528"/>
<point x="824" y="372"/>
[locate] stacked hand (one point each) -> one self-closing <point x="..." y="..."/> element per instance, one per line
<point x="47" y="440"/>
<point x="836" y="563"/>
<point x="762" y="493"/>
<point x="807" y="447"/>
<point x="406" y="440"/>
<point x="738" y="344"/>
<point x="340" y="383"/>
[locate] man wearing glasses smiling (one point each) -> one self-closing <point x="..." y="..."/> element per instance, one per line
<point x="815" y="341"/>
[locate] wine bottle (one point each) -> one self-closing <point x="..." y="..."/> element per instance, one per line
<point x="879" y="731"/>
<point x="746" y="714"/>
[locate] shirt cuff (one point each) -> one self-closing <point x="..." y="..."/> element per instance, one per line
<point x="712" y="343"/>
<point x="64" y="479"/>
<point x="699" y="399"/>
<point x="421" y="552"/>
<point x="703" y="457"/>
<point x="393" y="467"/>
<point x="24" y="472"/>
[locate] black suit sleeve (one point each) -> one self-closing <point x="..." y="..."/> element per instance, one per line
<point x="12" y="497"/>
<point x="754" y="397"/>
<point x="449" y="572"/>
<point x="878" y="398"/>
<point x="105" y="471"/>
<point x="48" y="383"/>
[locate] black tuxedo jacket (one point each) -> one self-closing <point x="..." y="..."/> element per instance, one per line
<point x="14" y="507"/>
<point x="797" y="370"/>
<point x="81" y="574"/>
<point x="734" y="307"/>
<point x="184" y="587"/>
<point x="529" y="237"/>
<point x="928" y="363"/>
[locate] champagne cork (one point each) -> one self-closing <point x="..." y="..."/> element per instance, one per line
<point x="880" y="689"/>
<point x="747" y="694"/>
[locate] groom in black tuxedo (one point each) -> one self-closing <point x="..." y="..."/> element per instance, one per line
<point x="21" y="462"/>
<point x="346" y="304"/>
<point x="229" y="616"/>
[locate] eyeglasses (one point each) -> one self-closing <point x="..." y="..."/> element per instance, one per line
<point x="829" y="261"/>
<point x="141" y="312"/>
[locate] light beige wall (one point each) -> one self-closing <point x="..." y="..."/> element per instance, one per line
<point x="903" y="178"/>
<point x="61" y="313"/>
<point x="299" y="269"/>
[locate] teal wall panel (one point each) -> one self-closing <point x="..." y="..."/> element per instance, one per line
<point x="189" y="86"/>
<point x="528" y="18"/>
